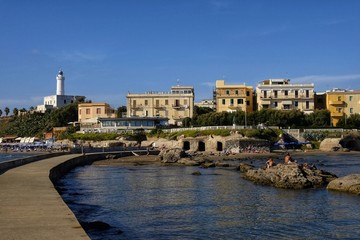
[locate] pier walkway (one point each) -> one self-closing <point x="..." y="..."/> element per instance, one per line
<point x="31" y="208"/>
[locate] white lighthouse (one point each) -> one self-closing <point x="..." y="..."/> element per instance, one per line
<point x="60" y="88"/>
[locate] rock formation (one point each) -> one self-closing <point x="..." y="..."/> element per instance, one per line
<point x="330" y="144"/>
<point x="350" y="184"/>
<point x="291" y="176"/>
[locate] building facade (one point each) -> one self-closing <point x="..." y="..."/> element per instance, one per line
<point x="206" y="103"/>
<point x="174" y="105"/>
<point x="231" y="98"/>
<point x="90" y="112"/>
<point x="60" y="99"/>
<point x="342" y="103"/>
<point x="279" y="94"/>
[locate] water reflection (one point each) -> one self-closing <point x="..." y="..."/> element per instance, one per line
<point x="154" y="202"/>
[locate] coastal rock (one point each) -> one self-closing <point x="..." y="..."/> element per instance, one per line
<point x="171" y="155"/>
<point x="188" y="162"/>
<point x="290" y="176"/>
<point x="330" y="144"/>
<point x="350" y="184"/>
<point x="196" y="173"/>
<point x="244" y="167"/>
<point x="96" y="225"/>
<point x="222" y="164"/>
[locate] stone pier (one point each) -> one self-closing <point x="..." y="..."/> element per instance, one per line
<point x="31" y="208"/>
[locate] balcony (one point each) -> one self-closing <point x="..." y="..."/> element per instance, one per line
<point x="138" y="106"/>
<point x="337" y="114"/>
<point x="336" y="102"/>
<point x="159" y="106"/>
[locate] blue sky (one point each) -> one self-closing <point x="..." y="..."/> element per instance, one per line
<point x="109" y="48"/>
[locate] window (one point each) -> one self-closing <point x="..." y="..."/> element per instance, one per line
<point x="240" y="101"/>
<point x="247" y="103"/>
<point x="275" y="104"/>
<point x="339" y="98"/>
<point x="265" y="94"/>
<point x="275" y="93"/>
<point x="157" y="103"/>
<point x="351" y="110"/>
<point x="307" y="93"/>
<point x="247" y="93"/>
<point x="146" y="113"/>
<point x="286" y="93"/>
<point x="296" y="103"/>
<point x="166" y="102"/>
<point x="98" y="110"/>
<point x="88" y="111"/>
<point x="339" y="110"/>
<point x="236" y="92"/>
<point x="307" y="105"/>
<point x="134" y="103"/>
<point x="146" y="102"/>
<point x="350" y="98"/>
<point x="231" y="101"/>
<point x="296" y="93"/>
<point x="185" y="101"/>
<point x="223" y="101"/>
<point x="64" y="101"/>
<point x="227" y="92"/>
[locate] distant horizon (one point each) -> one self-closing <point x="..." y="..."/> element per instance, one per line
<point x="107" y="49"/>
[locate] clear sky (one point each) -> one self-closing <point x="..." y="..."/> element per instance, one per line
<point x="109" y="48"/>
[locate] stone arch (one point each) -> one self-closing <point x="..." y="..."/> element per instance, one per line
<point x="186" y="145"/>
<point x="201" y="146"/>
<point x="219" y="146"/>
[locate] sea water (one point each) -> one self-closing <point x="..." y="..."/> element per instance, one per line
<point x="168" y="202"/>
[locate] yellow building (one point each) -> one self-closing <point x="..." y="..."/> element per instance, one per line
<point x="90" y="112"/>
<point x="231" y="98"/>
<point x="281" y="95"/>
<point x="342" y="103"/>
<point x="175" y="105"/>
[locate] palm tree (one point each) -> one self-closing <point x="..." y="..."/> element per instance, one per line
<point x="7" y="110"/>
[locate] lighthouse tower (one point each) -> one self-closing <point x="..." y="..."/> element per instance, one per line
<point x="60" y="83"/>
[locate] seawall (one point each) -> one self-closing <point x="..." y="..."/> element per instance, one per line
<point x="30" y="206"/>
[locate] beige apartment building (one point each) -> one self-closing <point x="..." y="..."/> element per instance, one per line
<point x="231" y="98"/>
<point x="281" y="95"/>
<point x="90" y="112"/>
<point x="342" y="103"/>
<point x="174" y="105"/>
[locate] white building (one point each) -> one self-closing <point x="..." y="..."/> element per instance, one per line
<point x="60" y="99"/>
<point x="281" y="95"/>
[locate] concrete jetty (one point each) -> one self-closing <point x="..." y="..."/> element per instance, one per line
<point x="31" y="208"/>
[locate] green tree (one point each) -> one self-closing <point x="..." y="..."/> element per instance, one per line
<point x="353" y="121"/>
<point x="120" y="110"/>
<point x="15" y="111"/>
<point x="7" y="110"/>
<point x="0" y="112"/>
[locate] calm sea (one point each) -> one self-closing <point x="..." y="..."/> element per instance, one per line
<point x="167" y="202"/>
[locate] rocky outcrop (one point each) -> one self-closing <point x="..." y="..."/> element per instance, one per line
<point x="172" y="155"/>
<point x="291" y="176"/>
<point x="330" y="144"/>
<point x="350" y="184"/>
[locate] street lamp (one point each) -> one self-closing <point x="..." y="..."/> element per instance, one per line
<point x="245" y="115"/>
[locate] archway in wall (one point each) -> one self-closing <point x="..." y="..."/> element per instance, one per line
<point x="219" y="146"/>
<point x="201" y="147"/>
<point x="186" y="145"/>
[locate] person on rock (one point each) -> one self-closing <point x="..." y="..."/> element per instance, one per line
<point x="270" y="163"/>
<point x="288" y="159"/>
